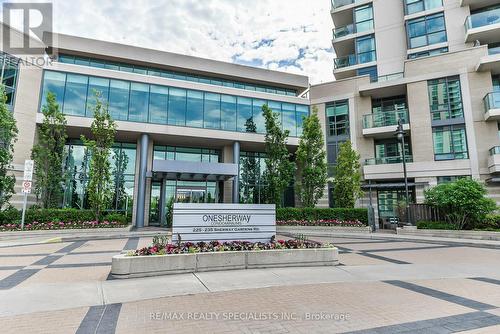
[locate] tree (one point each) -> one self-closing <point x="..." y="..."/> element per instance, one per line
<point x="48" y="154"/>
<point x="463" y="202"/>
<point x="279" y="169"/>
<point x="347" y="180"/>
<point x="8" y="136"/>
<point x="100" y="183"/>
<point x="311" y="162"/>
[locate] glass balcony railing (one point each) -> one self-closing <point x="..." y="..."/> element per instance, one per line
<point x="343" y="31"/>
<point x="492" y="101"/>
<point x="355" y="59"/>
<point x="340" y="3"/>
<point x="495" y="150"/>
<point x="493" y="50"/>
<point x="482" y="19"/>
<point x="388" y="160"/>
<point x="389" y="77"/>
<point x="386" y="118"/>
<point x="352" y="29"/>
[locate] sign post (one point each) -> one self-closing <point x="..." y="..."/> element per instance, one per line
<point x="26" y="187"/>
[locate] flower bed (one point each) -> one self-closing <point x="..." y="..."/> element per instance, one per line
<point x="216" y="246"/>
<point x="35" y="226"/>
<point x="329" y="222"/>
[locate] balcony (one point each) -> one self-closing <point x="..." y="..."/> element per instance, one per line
<point x="475" y="4"/>
<point x="494" y="160"/>
<point x="384" y="124"/>
<point x="393" y="169"/>
<point x="492" y="106"/>
<point x="490" y="62"/>
<point x="483" y="26"/>
<point x="336" y="4"/>
<point x="387" y="160"/>
<point x="346" y="66"/>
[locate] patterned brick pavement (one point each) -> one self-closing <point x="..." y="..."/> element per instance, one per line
<point x="447" y="305"/>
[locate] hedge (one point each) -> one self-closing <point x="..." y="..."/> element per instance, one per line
<point x="430" y="225"/>
<point x="12" y="216"/>
<point x="314" y="214"/>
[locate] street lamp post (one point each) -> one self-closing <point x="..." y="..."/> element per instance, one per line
<point x="401" y="138"/>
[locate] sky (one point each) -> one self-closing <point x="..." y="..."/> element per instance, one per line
<point x="287" y="35"/>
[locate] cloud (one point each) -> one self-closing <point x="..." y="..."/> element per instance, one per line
<point x="286" y="35"/>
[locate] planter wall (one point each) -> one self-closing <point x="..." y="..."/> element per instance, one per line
<point x="477" y="235"/>
<point x="154" y="265"/>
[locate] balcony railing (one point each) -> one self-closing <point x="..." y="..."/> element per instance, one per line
<point x="389" y="77"/>
<point x="482" y="19"/>
<point x="352" y="29"/>
<point x="388" y="160"/>
<point x="340" y="3"/>
<point x="493" y="50"/>
<point x="355" y="59"/>
<point x="344" y="31"/>
<point x="491" y="101"/>
<point x="495" y="150"/>
<point x="385" y="118"/>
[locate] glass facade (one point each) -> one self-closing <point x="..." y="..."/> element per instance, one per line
<point x="449" y="179"/>
<point x="76" y="168"/>
<point x="365" y="53"/>
<point x="415" y="6"/>
<point x="124" y="67"/>
<point x="186" y="154"/>
<point x="426" y="30"/>
<point x="450" y="142"/>
<point x="8" y="75"/>
<point x="387" y="151"/>
<point x="251" y="177"/>
<point x="445" y="98"/>
<point x="337" y="114"/>
<point x="139" y="102"/>
<point x="386" y="111"/>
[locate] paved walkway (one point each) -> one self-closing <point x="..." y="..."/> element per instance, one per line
<point x="381" y="286"/>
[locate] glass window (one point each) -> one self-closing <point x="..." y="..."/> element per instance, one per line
<point x="228" y="112"/>
<point x="245" y="119"/>
<point x="426" y="30"/>
<point x="363" y="18"/>
<point x="365" y="49"/>
<point x="177" y="106"/>
<point x="158" y="104"/>
<point x="118" y="99"/>
<point x="450" y="142"/>
<point x="100" y="86"/>
<point x="289" y="120"/>
<point x="445" y="98"/>
<point x="258" y="115"/>
<point x="252" y="183"/>
<point x="139" y="102"/>
<point x="415" y="6"/>
<point x="212" y="111"/>
<point x="302" y="113"/>
<point x="75" y="95"/>
<point x="54" y="82"/>
<point x="194" y="114"/>
<point x="337" y="114"/>
<point x="370" y="70"/>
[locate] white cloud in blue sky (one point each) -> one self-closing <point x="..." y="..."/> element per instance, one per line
<point x="286" y="35"/>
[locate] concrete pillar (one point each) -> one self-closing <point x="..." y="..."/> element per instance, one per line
<point x="141" y="191"/>
<point x="236" y="181"/>
<point x="163" y="201"/>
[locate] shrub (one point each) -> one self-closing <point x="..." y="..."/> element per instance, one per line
<point x="9" y="216"/>
<point x="430" y="225"/>
<point x="116" y="217"/>
<point x="463" y="202"/>
<point x="490" y="222"/>
<point x="316" y="214"/>
<point x="58" y="215"/>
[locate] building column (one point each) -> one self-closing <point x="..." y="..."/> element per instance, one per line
<point x="236" y="181"/>
<point x="141" y="191"/>
<point x="163" y="201"/>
